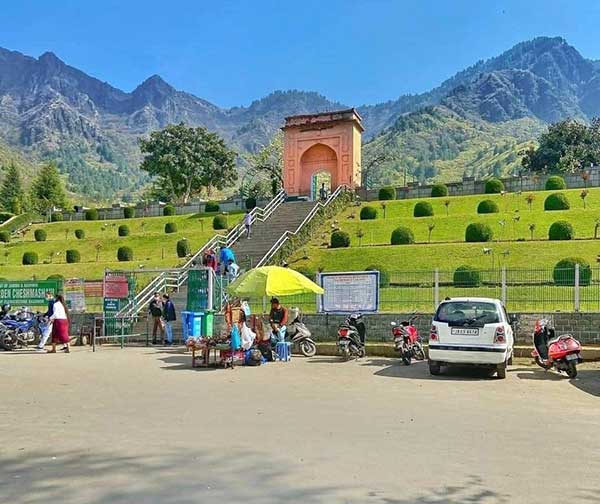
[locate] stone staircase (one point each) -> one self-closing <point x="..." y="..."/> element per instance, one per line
<point x="287" y="217"/>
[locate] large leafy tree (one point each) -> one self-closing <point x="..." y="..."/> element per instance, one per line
<point x="567" y="147"/>
<point x="48" y="190"/>
<point x="12" y="195"/>
<point x="187" y="160"/>
<point x="268" y="163"/>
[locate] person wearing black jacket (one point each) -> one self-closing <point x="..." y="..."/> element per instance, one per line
<point x="169" y="317"/>
<point x="155" y="309"/>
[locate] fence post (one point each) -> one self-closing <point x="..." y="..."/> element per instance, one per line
<point x="576" y="300"/>
<point x="504" y="285"/>
<point x="436" y="288"/>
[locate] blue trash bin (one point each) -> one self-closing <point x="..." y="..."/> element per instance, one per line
<point x="191" y="325"/>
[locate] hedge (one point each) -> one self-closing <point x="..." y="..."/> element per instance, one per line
<point x="4" y="236"/>
<point x="4" y="216"/>
<point x="487" y="206"/>
<point x="556" y="201"/>
<point x="368" y="213"/>
<point x="340" y="239"/>
<point x="169" y="210"/>
<point x="56" y="276"/>
<point x="478" y="232"/>
<point x="30" y="258"/>
<point x="170" y="227"/>
<point x="92" y="214"/>
<point x="402" y="236"/>
<point x="40" y="235"/>
<point x="384" y="274"/>
<point x="129" y="212"/>
<point x="555" y="183"/>
<point x="423" y="209"/>
<point x="494" y="186"/>
<point x="250" y="203"/>
<point x="79" y="234"/>
<point x="183" y="248"/>
<point x="123" y="230"/>
<point x="439" y="190"/>
<point x="465" y="276"/>
<point x="211" y="207"/>
<point x="125" y="254"/>
<point x="73" y="256"/>
<point x="564" y="271"/>
<point x="561" y="230"/>
<point x="56" y="217"/>
<point x="219" y="222"/>
<point x="387" y="193"/>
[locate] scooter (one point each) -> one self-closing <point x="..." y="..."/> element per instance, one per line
<point x="299" y="334"/>
<point x="351" y="337"/>
<point x="561" y="352"/>
<point x="407" y="341"/>
<point x="20" y="330"/>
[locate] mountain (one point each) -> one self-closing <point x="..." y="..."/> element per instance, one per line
<point x="50" y="110"/>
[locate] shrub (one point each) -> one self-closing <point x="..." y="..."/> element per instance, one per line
<point x="250" y="203"/>
<point x="561" y="230"/>
<point x="211" y="206"/>
<point x="340" y="239"/>
<point x="56" y="276"/>
<point x="402" y="236"/>
<point x="494" y="186"/>
<point x="30" y="258"/>
<point x="439" y="190"/>
<point x="73" y="256"/>
<point x="56" y="217"/>
<point x="129" y="212"/>
<point x="39" y="235"/>
<point x="487" y="206"/>
<point x="183" y="248"/>
<point x="4" y="216"/>
<point x="368" y="213"/>
<point x="564" y="271"/>
<point x="169" y="210"/>
<point x="478" y="232"/>
<point x="423" y="209"/>
<point x="307" y="272"/>
<point x="79" y="234"/>
<point x="387" y="193"/>
<point x="465" y="276"/>
<point x="219" y="222"/>
<point x="556" y="201"/>
<point x="555" y="183"/>
<point x="123" y="230"/>
<point x="170" y="227"/>
<point x="4" y="236"/>
<point x="125" y="254"/>
<point x="384" y="274"/>
<point x="92" y="214"/>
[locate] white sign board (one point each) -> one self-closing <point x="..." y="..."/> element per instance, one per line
<point x="349" y="292"/>
<point x="75" y="295"/>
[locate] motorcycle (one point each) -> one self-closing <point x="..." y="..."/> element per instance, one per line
<point x="561" y="352"/>
<point x="351" y="337"/>
<point x="20" y="329"/>
<point x="299" y="334"/>
<point x="407" y="341"/>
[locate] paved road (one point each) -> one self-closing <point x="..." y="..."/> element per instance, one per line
<point x="141" y="426"/>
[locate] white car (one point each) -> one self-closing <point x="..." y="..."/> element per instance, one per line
<point x="471" y="331"/>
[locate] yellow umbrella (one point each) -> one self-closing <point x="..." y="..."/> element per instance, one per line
<point x="272" y="281"/>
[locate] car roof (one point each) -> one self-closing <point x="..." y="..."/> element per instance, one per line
<point x="467" y="299"/>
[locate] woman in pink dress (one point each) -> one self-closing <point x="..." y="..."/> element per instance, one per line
<point x="60" y="324"/>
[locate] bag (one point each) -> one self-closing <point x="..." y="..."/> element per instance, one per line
<point x="247" y="336"/>
<point x="236" y="341"/>
<point x="253" y="357"/>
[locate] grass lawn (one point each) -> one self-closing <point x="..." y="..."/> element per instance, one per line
<point x="151" y="246"/>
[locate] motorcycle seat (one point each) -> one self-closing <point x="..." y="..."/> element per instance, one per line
<point x="561" y="337"/>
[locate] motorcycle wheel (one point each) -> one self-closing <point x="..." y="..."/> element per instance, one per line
<point x="345" y="354"/>
<point x="540" y="363"/>
<point x="308" y="348"/>
<point x="7" y="343"/>
<point x="362" y="352"/>
<point x="419" y="352"/>
<point x="571" y="369"/>
<point x="406" y="358"/>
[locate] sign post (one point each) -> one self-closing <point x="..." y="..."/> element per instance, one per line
<point x="349" y="292"/>
<point x="28" y="292"/>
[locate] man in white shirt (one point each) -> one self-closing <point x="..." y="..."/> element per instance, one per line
<point x="247" y="223"/>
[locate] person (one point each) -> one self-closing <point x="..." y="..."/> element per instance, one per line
<point x="209" y="259"/>
<point x="155" y="310"/>
<point x="169" y="317"/>
<point x="248" y="223"/>
<point x="278" y="317"/>
<point x="233" y="270"/>
<point x="60" y="324"/>
<point x="46" y="328"/>
<point x="225" y="255"/>
<point x="323" y="192"/>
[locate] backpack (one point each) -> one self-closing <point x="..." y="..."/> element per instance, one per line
<point x="253" y="357"/>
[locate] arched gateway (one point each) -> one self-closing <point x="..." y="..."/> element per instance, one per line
<point x="321" y="150"/>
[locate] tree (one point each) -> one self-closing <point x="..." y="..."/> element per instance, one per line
<point x="187" y="160"/>
<point x="532" y="229"/>
<point x="430" y="228"/>
<point x="98" y="248"/>
<point x="268" y="162"/>
<point x="383" y="207"/>
<point x="372" y="159"/>
<point x="530" y="199"/>
<point x="596" y="227"/>
<point x="359" y="234"/>
<point x="447" y="205"/>
<point x="583" y="195"/>
<point x="47" y="190"/>
<point x="12" y="195"/>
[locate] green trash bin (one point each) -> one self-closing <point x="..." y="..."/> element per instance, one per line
<point x="207" y="325"/>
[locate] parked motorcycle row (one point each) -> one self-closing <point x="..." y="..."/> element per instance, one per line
<point x="19" y="328"/>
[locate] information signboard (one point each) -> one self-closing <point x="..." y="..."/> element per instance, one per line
<point x="116" y="286"/>
<point x="349" y="292"/>
<point x="75" y="295"/>
<point x="28" y="292"/>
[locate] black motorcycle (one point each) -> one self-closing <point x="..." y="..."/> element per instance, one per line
<point x="351" y="337"/>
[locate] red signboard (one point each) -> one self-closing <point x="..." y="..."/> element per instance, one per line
<point x="116" y="287"/>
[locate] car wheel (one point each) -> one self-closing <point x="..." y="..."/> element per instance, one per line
<point x="434" y="368"/>
<point x="501" y="371"/>
<point x="510" y="360"/>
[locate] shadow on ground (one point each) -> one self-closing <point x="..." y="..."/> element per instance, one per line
<point x="587" y="380"/>
<point x="419" y="370"/>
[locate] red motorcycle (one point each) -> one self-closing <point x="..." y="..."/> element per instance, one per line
<point x="407" y="341"/>
<point x="561" y="352"/>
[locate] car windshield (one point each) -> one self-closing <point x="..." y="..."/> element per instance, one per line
<point x="467" y="313"/>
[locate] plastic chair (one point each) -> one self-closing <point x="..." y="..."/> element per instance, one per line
<point x="283" y="351"/>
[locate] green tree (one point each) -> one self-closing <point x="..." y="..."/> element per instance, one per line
<point x="12" y="195"/>
<point x="47" y="190"/>
<point x="268" y="163"/>
<point x="187" y="160"/>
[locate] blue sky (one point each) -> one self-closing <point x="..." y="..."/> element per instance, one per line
<point x="231" y="52"/>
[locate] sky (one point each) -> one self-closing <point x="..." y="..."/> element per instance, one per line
<point x="232" y="52"/>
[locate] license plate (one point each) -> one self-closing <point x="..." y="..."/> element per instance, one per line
<point x="572" y="357"/>
<point x="461" y="331"/>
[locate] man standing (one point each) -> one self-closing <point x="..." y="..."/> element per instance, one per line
<point x="248" y="223"/>
<point x="155" y="310"/>
<point x="46" y="328"/>
<point x="169" y="317"/>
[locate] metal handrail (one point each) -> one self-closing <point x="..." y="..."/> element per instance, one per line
<point x="288" y="234"/>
